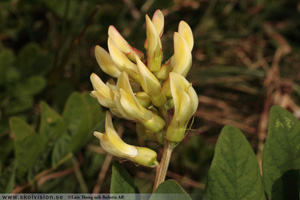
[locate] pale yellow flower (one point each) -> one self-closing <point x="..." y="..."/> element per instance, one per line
<point x="133" y="109"/>
<point x="150" y="84"/>
<point x="123" y="45"/>
<point x="105" y="62"/>
<point x="185" y="105"/>
<point x="102" y="92"/>
<point x="113" y="144"/>
<point x="121" y="61"/>
<point x="154" y="47"/>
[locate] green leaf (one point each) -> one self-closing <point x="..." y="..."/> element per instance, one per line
<point x="170" y="189"/>
<point x="94" y="108"/>
<point x="61" y="149"/>
<point x="7" y="58"/>
<point x="78" y="120"/>
<point x="234" y="172"/>
<point x="41" y="162"/>
<point x="18" y="105"/>
<point x="281" y="155"/>
<point x="121" y="181"/>
<point x="28" y="144"/>
<point x="30" y="86"/>
<point x="6" y="147"/>
<point x="52" y="124"/>
<point x="32" y="60"/>
<point x="7" y="179"/>
<point x="51" y="128"/>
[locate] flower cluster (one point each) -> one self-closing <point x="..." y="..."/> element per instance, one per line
<point x="146" y="89"/>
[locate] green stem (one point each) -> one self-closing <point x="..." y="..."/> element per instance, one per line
<point x="161" y="170"/>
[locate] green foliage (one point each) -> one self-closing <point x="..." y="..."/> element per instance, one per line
<point x="7" y="181"/>
<point x="234" y="172"/>
<point x="55" y="139"/>
<point x="46" y="53"/>
<point x="281" y="156"/>
<point x="170" y="189"/>
<point x="121" y="181"/>
<point x="80" y="116"/>
<point x="28" y="145"/>
<point x="32" y="60"/>
<point x="7" y="58"/>
<point x="52" y="124"/>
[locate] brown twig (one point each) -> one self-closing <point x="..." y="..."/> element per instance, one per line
<point x="53" y="176"/>
<point x="20" y="188"/>
<point x="225" y="121"/>
<point x="186" y="181"/>
<point x="272" y="86"/>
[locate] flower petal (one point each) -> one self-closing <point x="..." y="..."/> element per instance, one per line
<point x="99" y="86"/>
<point x="105" y="62"/>
<point x="154" y="48"/>
<point x="121" y="61"/>
<point x="158" y="21"/>
<point x="185" y="31"/>
<point x="182" y="55"/>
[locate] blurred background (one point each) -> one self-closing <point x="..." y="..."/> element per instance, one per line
<point x="245" y="59"/>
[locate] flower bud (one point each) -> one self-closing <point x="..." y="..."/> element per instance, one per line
<point x="150" y="84"/>
<point x="164" y="71"/>
<point x="113" y="144"/>
<point x="123" y="45"/>
<point x="146" y="134"/>
<point x="102" y="92"/>
<point x="143" y="98"/>
<point x="121" y="61"/>
<point x="105" y="62"/>
<point x="158" y="22"/>
<point x="185" y="105"/>
<point x="146" y="157"/>
<point x="154" y="48"/>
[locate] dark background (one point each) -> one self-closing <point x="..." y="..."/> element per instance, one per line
<point x="245" y="59"/>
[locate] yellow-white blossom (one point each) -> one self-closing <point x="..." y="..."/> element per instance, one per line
<point x="113" y="144"/>
<point x="105" y="62"/>
<point x="185" y="105"/>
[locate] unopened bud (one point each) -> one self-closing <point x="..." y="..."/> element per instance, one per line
<point x="154" y="48"/>
<point x="143" y="98"/>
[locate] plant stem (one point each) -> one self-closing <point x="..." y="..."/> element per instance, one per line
<point x="79" y="176"/>
<point x="161" y="170"/>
